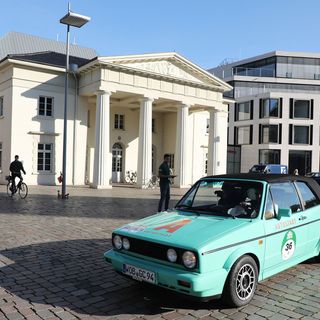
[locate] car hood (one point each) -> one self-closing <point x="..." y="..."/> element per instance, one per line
<point x="182" y="229"/>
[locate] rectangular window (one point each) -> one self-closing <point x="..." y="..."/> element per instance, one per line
<point x="45" y="106"/>
<point x="44" y="157"/>
<point x="301" y="134"/>
<point x="119" y="121"/>
<point x="0" y="156"/>
<point x="269" y="134"/>
<point x="301" y="109"/>
<point x="269" y="156"/>
<point x="269" y="108"/>
<point x="243" y="135"/>
<point x="1" y="106"/>
<point x="243" y="111"/>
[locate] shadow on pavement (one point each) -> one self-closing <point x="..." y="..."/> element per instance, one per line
<point x="73" y="275"/>
<point x="76" y="206"/>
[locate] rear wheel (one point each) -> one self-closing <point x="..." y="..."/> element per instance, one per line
<point x="241" y="282"/>
<point x="9" y="193"/>
<point x="23" y="190"/>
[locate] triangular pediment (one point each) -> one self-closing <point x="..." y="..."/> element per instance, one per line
<point x="167" y="65"/>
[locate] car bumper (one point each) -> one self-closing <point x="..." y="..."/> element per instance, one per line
<point x="202" y="285"/>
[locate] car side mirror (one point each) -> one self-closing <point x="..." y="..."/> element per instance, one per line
<point x="284" y="213"/>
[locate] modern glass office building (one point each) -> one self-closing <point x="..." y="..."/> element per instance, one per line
<point x="275" y="117"/>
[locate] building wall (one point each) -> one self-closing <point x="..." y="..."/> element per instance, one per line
<point x="5" y="123"/>
<point x="250" y="153"/>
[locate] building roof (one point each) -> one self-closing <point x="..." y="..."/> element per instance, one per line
<point x="20" y="43"/>
<point x="49" y="58"/>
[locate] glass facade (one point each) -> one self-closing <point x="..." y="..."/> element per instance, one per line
<point x="301" y="109"/>
<point x="269" y="134"/>
<point x="269" y="156"/>
<point x="269" y="108"/>
<point x="243" y="111"/>
<point x="243" y="135"/>
<point x="301" y="134"/>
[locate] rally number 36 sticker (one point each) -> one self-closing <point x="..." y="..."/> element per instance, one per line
<point x="288" y="245"/>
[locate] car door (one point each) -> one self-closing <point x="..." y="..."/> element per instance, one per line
<point x="311" y="216"/>
<point x="286" y="238"/>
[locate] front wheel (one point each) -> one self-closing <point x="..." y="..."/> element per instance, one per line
<point x="23" y="190"/>
<point x="241" y="282"/>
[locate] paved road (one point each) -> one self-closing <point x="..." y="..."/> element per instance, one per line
<point x="51" y="265"/>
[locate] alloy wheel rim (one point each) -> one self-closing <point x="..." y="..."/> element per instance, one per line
<point x="245" y="282"/>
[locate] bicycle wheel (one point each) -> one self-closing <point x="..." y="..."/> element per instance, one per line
<point x="9" y="193"/>
<point x="23" y="190"/>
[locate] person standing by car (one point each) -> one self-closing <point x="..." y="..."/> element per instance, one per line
<point x="15" y="168"/>
<point x="165" y="175"/>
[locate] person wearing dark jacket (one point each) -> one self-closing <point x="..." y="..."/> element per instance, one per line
<point x="15" y="168"/>
<point x="165" y="176"/>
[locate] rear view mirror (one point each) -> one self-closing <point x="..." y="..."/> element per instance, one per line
<point x="284" y="213"/>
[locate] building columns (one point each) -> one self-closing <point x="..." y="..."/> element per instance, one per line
<point x="181" y="157"/>
<point x="102" y="155"/>
<point x="144" y="171"/>
<point x="217" y="148"/>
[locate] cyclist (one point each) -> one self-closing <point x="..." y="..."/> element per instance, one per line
<point x="15" y="168"/>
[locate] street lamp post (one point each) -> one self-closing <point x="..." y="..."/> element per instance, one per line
<point x="74" y="20"/>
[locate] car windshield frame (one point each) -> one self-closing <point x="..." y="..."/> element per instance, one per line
<point x="225" y="197"/>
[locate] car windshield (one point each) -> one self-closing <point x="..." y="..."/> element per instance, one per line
<point x="233" y="198"/>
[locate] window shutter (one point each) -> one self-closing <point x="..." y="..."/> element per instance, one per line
<point x="290" y="133"/>
<point x="260" y="108"/>
<point x="311" y="109"/>
<point x="311" y="134"/>
<point x="236" y="112"/>
<point x="291" y="109"/>
<point x="260" y="133"/>
<point x="251" y="133"/>
<point x="280" y="133"/>
<point x="251" y="109"/>
<point x="235" y="136"/>
<point x="280" y="108"/>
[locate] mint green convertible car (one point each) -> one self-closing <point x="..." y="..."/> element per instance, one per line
<point x="224" y="236"/>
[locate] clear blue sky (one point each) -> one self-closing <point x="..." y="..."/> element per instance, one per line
<point x="204" y="31"/>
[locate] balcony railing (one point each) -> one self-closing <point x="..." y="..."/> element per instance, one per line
<point x="253" y="72"/>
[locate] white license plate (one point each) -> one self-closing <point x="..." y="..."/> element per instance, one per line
<point x="139" y="273"/>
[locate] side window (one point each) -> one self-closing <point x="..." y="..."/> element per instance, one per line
<point x="308" y="197"/>
<point x="269" y="212"/>
<point x="285" y="196"/>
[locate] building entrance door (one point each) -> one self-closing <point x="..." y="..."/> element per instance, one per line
<point x="117" y="156"/>
<point x="300" y="160"/>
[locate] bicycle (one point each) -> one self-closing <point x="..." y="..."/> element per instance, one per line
<point x="153" y="182"/>
<point x="21" y="188"/>
<point x="131" y="177"/>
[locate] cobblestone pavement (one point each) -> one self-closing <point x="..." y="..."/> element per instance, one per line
<point x="51" y="265"/>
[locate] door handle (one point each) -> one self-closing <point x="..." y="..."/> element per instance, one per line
<point x="302" y="218"/>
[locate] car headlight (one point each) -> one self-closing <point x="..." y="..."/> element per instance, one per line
<point x="117" y="242"/>
<point x="126" y="244"/>
<point x="189" y="259"/>
<point x="172" y="255"/>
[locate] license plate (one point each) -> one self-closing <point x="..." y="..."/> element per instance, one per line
<point x="139" y="273"/>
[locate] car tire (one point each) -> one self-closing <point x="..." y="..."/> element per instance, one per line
<point x="241" y="282"/>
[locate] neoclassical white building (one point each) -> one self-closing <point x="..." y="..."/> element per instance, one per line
<point x="124" y="113"/>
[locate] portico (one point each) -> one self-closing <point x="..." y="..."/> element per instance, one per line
<point x="148" y="105"/>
